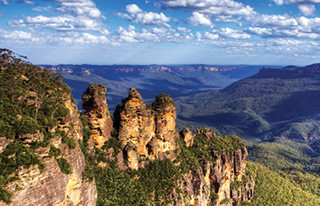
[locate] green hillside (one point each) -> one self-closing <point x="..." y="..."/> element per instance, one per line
<point x="274" y="189"/>
<point x="274" y="102"/>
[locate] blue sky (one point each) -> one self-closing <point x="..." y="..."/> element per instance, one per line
<point x="277" y="32"/>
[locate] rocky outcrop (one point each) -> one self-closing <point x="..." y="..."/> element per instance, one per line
<point x="187" y="137"/>
<point x="165" y="116"/>
<point x="97" y="114"/>
<point x="146" y="132"/>
<point x="51" y="186"/>
<point x="222" y="181"/>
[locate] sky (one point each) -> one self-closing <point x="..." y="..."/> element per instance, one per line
<point x="268" y="32"/>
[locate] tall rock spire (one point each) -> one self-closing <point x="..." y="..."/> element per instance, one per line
<point x="97" y="114"/>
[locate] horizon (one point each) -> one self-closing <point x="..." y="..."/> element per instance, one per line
<point x="178" y="64"/>
<point x="162" y="32"/>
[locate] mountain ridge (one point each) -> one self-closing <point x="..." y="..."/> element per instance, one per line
<point x="270" y="103"/>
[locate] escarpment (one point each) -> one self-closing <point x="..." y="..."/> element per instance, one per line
<point x="202" y="168"/>
<point x="58" y="178"/>
<point x="40" y="135"/>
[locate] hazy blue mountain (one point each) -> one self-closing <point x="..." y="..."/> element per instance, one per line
<point x="150" y="80"/>
<point x="274" y="102"/>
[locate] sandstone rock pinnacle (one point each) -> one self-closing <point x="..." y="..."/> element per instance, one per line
<point x="97" y="114"/>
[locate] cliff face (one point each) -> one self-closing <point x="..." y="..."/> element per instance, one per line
<point x="51" y="186"/>
<point x="97" y="114"/>
<point x="221" y="179"/>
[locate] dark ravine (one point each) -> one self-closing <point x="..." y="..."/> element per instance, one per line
<point x="64" y="148"/>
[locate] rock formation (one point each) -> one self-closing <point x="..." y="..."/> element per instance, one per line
<point x="97" y="114"/>
<point x="187" y="137"/>
<point x="51" y="186"/>
<point x="146" y="132"/>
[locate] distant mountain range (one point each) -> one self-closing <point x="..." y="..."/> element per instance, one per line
<point x="150" y="80"/>
<point x="274" y="102"/>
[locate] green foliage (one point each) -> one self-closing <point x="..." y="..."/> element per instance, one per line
<point x="5" y="195"/>
<point x="31" y="98"/>
<point x="159" y="177"/>
<point x="272" y="189"/>
<point x="113" y="143"/>
<point x="14" y="156"/>
<point x="54" y="152"/>
<point x="68" y="141"/>
<point x="86" y="136"/>
<point x="26" y="125"/>
<point x="116" y="188"/>
<point x="297" y="162"/>
<point x="203" y="149"/>
<point x="64" y="165"/>
<point x="225" y="201"/>
<point x="162" y="101"/>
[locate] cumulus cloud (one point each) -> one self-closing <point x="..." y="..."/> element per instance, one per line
<point x="234" y="34"/>
<point x="306" y="6"/>
<point x="183" y="29"/>
<point x="76" y="15"/>
<point x="156" y="34"/>
<point x="283" y="26"/>
<point x="198" y="19"/>
<point x="16" y="35"/>
<point x="59" y="23"/>
<point x="227" y="33"/>
<point x="138" y="16"/>
<point x="221" y="10"/>
<point x="79" y="8"/>
<point x="307" y="9"/>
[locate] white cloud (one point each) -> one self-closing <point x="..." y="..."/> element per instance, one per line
<point x="79" y="8"/>
<point x="133" y="9"/>
<point x="221" y="10"/>
<point x="76" y="15"/>
<point x="26" y="2"/>
<point x="17" y="35"/>
<point x="198" y="19"/>
<point x="138" y="16"/>
<point x="283" y="21"/>
<point x="133" y="35"/>
<point x="234" y="34"/>
<point x="306" y="6"/>
<point x="183" y="29"/>
<point x="5" y="2"/>
<point x="211" y="35"/>
<point x="283" y="26"/>
<point x="59" y="23"/>
<point x="307" y="9"/>
<point x="43" y="9"/>
<point x="226" y="33"/>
